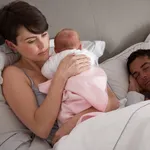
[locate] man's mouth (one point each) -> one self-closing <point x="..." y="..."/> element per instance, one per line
<point x="147" y="83"/>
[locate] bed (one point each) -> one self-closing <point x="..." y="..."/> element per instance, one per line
<point x="124" y="26"/>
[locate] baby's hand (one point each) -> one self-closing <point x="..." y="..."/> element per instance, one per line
<point x="133" y="85"/>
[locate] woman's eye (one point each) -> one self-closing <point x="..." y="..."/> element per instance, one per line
<point x="44" y="34"/>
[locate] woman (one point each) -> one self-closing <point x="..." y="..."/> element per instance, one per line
<point x="24" y="29"/>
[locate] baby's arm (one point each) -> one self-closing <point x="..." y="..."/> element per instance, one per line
<point x="49" y="68"/>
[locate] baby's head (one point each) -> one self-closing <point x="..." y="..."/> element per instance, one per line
<point x="67" y="39"/>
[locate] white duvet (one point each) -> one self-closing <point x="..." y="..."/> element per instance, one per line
<point x="124" y="129"/>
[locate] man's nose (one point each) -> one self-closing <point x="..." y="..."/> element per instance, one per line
<point x="144" y="75"/>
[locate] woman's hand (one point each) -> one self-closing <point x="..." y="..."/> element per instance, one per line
<point x="73" y="64"/>
<point x="67" y="127"/>
<point x="133" y="85"/>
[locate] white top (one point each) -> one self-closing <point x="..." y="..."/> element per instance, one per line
<point x="51" y="65"/>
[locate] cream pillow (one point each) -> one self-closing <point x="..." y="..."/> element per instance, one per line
<point x="116" y="69"/>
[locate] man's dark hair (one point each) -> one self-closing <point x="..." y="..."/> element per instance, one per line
<point x="17" y="14"/>
<point x="134" y="55"/>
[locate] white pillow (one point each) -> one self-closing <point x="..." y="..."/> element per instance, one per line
<point x="147" y="38"/>
<point x="7" y="57"/>
<point x="97" y="47"/>
<point x="116" y="69"/>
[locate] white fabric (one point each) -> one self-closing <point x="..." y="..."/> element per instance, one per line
<point x="123" y="129"/>
<point x="134" y="97"/>
<point x="116" y="69"/>
<point x="147" y="38"/>
<point x="7" y="57"/>
<point x="97" y="47"/>
<point x="50" y="66"/>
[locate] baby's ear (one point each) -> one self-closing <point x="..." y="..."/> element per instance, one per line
<point x="80" y="47"/>
<point x="56" y="50"/>
<point x="11" y="45"/>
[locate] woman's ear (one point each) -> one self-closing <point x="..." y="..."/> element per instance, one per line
<point x="11" y="45"/>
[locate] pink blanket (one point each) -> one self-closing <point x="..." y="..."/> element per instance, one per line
<point x="81" y="92"/>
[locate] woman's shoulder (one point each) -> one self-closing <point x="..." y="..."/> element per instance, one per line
<point x="12" y="73"/>
<point x="11" y="70"/>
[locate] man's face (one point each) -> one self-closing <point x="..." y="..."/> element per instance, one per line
<point x="140" y="70"/>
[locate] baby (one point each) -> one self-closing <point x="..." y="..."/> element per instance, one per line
<point x="88" y="89"/>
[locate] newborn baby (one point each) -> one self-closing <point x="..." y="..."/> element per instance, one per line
<point x="88" y="89"/>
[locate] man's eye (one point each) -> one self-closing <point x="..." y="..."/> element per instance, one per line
<point x="135" y="76"/>
<point x="146" y="68"/>
<point x="30" y="42"/>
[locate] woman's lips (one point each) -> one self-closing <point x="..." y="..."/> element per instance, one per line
<point x="44" y="52"/>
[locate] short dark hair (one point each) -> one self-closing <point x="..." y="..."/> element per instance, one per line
<point x="17" y="14"/>
<point x="134" y="55"/>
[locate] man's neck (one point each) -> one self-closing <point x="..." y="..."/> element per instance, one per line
<point x="146" y="94"/>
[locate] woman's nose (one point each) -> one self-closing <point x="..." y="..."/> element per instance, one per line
<point x="40" y="44"/>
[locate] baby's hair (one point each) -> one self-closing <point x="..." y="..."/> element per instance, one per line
<point x="66" y="39"/>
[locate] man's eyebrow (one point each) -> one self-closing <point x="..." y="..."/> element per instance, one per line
<point x="145" y="64"/>
<point x="29" y="37"/>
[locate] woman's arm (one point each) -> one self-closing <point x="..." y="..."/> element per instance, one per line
<point x="113" y="101"/>
<point x="20" y="97"/>
<point x="67" y="127"/>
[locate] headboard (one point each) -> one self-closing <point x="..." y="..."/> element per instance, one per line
<point x="120" y="23"/>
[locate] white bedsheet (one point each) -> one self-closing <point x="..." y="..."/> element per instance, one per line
<point x="124" y="129"/>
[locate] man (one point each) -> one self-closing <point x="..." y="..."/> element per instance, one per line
<point x="138" y="65"/>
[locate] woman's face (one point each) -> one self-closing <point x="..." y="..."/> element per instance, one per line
<point x="32" y="46"/>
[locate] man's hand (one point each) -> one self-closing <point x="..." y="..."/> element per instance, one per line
<point x="133" y="85"/>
